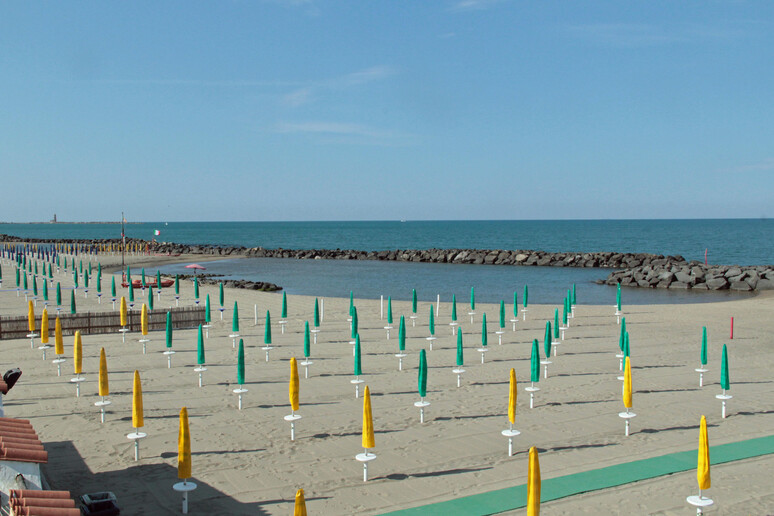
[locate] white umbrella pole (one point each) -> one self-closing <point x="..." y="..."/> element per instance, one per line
<point x="322" y="309"/>
<point x="381" y="307"/>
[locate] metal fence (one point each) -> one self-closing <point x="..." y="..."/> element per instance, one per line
<point x="103" y="322"/>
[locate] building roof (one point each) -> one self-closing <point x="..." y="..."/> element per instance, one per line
<point x="30" y="502"/>
<point x="19" y="441"/>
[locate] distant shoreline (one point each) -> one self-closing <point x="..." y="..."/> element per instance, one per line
<point x="59" y="222"/>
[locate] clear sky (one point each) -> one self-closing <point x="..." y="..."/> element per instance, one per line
<point x="354" y="109"/>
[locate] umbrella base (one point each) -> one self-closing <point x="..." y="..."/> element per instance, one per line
<point x="514" y="321"/>
<point x="356" y="382"/>
<point x="454" y="327"/>
<point x="185" y="488"/>
<point x="626" y="417"/>
<point x="430" y="339"/>
<point x="365" y="458"/>
<point x="699" y="502"/>
<point x="483" y="352"/>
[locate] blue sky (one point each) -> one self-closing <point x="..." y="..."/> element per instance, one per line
<point x="330" y="110"/>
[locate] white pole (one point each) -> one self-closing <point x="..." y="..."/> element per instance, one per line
<point x="437" y="304"/>
<point x="322" y="309"/>
<point x="255" y="307"/>
<point x="381" y="307"/>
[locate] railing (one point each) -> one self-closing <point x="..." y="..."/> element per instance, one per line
<point x="103" y="322"/>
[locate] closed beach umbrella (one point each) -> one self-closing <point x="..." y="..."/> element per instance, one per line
<point x="353" y="314"/>
<point x="515" y="306"/>
<point x="422" y="379"/>
<point x="307" y="344"/>
<point x="58" y="294"/>
<point x="72" y="301"/>
<point x="150" y="298"/>
<point x="77" y="353"/>
<point x="122" y="310"/>
<point x="622" y="334"/>
<point x="526" y="295"/>
<point x="556" y="324"/>
<point x="58" y="342"/>
<point x="104" y="389"/>
<point x="99" y="284"/>
<point x="128" y="274"/>
<point x="454" y="308"/>
<point x="220" y="293"/>
<point x="626" y="345"/>
<point x="207" y="313"/>
<point x="169" y="330"/>
<point x="113" y="287"/>
<point x="533" y="484"/>
<point x="547" y="339"/>
<point x="200" y="347"/>
<point x="138" y="420"/>
<point x="358" y="370"/>
<point x="75" y="278"/>
<point x="704" y="346"/>
<point x="512" y="398"/>
<point x="131" y="293"/>
<point x="35" y="286"/>
<point x="351" y="302"/>
<point x="574" y="299"/>
<point x="144" y="320"/>
<point x="177" y="285"/>
<point x="484" y="338"/>
<point x="618" y="298"/>
<point x="535" y="362"/>
<point x="431" y="322"/>
<point x="196" y="288"/>
<point x="402" y="334"/>
<point x="316" y="313"/>
<point x="389" y="310"/>
<point x="460" y="358"/>
<point x="284" y="311"/>
<point x="300" y="508"/>
<point x="368" y="422"/>
<point x="241" y="363"/>
<point x="86" y="280"/>
<point x="725" y="382"/>
<point x="184" y="446"/>
<point x="413" y="300"/>
<point x="44" y="327"/>
<point x="502" y="314"/>
<point x="18" y="277"/>
<point x="703" y="466"/>
<point x="293" y="389"/>
<point x="158" y="280"/>
<point x="235" y="319"/>
<point x="30" y="317"/>
<point x="627" y="390"/>
<point x="472" y="299"/>
<point x="143" y="277"/>
<point x="267" y="331"/>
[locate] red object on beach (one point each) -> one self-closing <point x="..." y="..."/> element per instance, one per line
<point x="705" y="256"/>
<point x="195" y="266"/>
<point x="150" y="282"/>
<point x="732" y="328"/>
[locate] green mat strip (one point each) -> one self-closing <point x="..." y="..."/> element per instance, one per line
<point x="511" y="498"/>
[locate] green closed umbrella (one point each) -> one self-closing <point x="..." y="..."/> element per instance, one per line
<point x="725" y="382"/>
<point x="621" y="337"/>
<point x="35" y="286"/>
<point x="526" y="295"/>
<point x="618" y="298"/>
<point x="454" y="308"/>
<point x="86" y="280"/>
<point x="307" y="344"/>
<point x="128" y="274"/>
<point x="113" y="287"/>
<point x="26" y="284"/>
<point x="72" y="301"/>
<point x="431" y="322"/>
<point x="150" y="298"/>
<point x="143" y="277"/>
<point x="241" y="364"/>
<point x="220" y="294"/>
<point x="200" y="347"/>
<point x="358" y="365"/>
<point x="351" y="302"/>
<point x="413" y="300"/>
<point x="484" y="338"/>
<point x="402" y="334"/>
<point x="235" y="319"/>
<point x="460" y="361"/>
<point x="131" y="292"/>
<point x="472" y="299"/>
<point x="703" y="346"/>
<point x="284" y="311"/>
<point x="556" y="324"/>
<point x="99" y="269"/>
<point x="574" y="299"/>
<point x="564" y="314"/>
<point x="267" y="330"/>
<point x="422" y="377"/>
<point x="354" y="328"/>
<point x="547" y="339"/>
<point x="535" y="362"/>
<point x="169" y="330"/>
<point x="196" y="289"/>
<point x="81" y="269"/>
<point x="50" y="272"/>
<point x="58" y="294"/>
<point x="626" y="346"/>
<point x="389" y="310"/>
<point x="158" y="280"/>
<point x="45" y="290"/>
<point x="316" y="313"/>
<point x="18" y="277"/>
<point x="177" y="285"/>
<point x="99" y="284"/>
<point x="207" y="314"/>
<point x="502" y="314"/>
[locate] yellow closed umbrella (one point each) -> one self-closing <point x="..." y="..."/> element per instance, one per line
<point x="703" y="468"/>
<point x="104" y="389"/>
<point x="184" y="447"/>
<point x="31" y="317"/>
<point x="58" y="343"/>
<point x="511" y="433"/>
<point x="78" y="353"/>
<point x="368" y="422"/>
<point x="627" y="387"/>
<point x="300" y="508"/>
<point x="123" y="311"/>
<point x="44" y="329"/>
<point x="137" y="412"/>
<point x="533" y="484"/>
<point x="293" y="385"/>
<point x="144" y="319"/>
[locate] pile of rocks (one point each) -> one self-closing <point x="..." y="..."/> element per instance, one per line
<point x="695" y="275"/>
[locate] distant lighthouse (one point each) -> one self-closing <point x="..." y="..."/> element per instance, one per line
<point x="53" y="221"/>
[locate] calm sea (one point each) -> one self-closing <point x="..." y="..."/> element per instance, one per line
<point x="727" y="241"/>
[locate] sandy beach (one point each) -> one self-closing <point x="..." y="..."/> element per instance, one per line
<point x="245" y="463"/>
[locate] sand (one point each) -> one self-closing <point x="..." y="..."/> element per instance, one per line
<point x="245" y="463"/>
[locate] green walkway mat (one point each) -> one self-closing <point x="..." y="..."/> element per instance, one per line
<point x="511" y="498"/>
